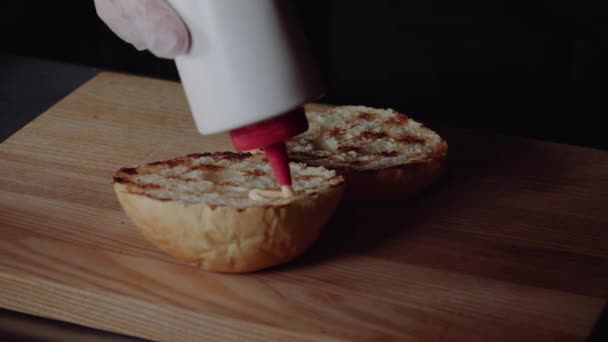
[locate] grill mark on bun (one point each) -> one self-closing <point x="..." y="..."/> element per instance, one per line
<point x="208" y="167"/>
<point x="226" y="183"/>
<point x="304" y="177"/>
<point x="303" y="154"/>
<point x="334" y="132"/>
<point x="180" y="177"/>
<point x="148" y="186"/>
<point x="411" y="139"/>
<point x="151" y="196"/>
<point x="373" y="135"/>
<point x="348" y="148"/>
<point x="120" y="180"/>
<point x="389" y="153"/>
<point x="235" y="156"/>
<point x="366" y="116"/>
<point x="254" y="173"/>
<point x="399" y="119"/>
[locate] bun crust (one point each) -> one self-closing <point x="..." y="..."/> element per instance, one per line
<point x="219" y="228"/>
<point x="382" y="154"/>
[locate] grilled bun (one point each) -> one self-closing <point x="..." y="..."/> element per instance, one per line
<point x="382" y="154"/>
<point x="197" y="209"/>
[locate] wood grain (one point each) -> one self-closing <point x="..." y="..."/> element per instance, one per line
<point x="510" y="245"/>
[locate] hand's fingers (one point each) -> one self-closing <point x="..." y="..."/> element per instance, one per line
<point x="147" y="24"/>
<point x="165" y="33"/>
<point x="120" y="21"/>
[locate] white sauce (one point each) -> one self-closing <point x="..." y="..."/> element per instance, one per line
<point x="259" y="194"/>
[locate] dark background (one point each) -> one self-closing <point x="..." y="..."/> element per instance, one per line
<point x="532" y="68"/>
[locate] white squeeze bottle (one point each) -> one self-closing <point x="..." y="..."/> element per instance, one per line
<point x="248" y="71"/>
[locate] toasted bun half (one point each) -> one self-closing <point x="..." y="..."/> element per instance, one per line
<point x="382" y="154"/>
<point x="197" y="209"/>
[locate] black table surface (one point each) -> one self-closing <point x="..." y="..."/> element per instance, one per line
<point x="28" y="87"/>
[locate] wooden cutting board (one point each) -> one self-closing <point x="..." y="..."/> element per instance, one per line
<point x="512" y="244"/>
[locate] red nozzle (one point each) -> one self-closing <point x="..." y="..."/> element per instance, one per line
<point x="271" y="135"/>
<point x="277" y="157"/>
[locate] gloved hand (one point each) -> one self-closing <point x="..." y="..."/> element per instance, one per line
<point x="146" y="24"/>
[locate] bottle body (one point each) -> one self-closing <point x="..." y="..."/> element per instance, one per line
<point x="248" y="62"/>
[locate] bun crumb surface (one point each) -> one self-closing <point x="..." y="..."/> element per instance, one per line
<point x="221" y="179"/>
